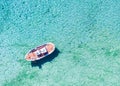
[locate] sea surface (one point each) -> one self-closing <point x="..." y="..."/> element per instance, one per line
<point x="86" y="34"/>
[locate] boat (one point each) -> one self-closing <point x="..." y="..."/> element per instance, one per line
<point x="40" y="52"/>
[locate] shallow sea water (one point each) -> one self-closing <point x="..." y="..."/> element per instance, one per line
<point x="86" y="34"/>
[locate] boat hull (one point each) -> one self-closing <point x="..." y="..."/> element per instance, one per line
<point x="40" y="52"/>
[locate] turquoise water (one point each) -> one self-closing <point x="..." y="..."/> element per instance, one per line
<point x="85" y="32"/>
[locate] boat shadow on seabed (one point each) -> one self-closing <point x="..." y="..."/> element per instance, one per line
<point x="48" y="58"/>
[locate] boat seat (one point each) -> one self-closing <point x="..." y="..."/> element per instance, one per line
<point x="43" y="50"/>
<point x="38" y="52"/>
